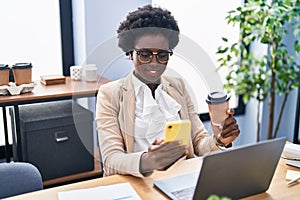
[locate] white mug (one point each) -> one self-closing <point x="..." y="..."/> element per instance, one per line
<point x="76" y="73"/>
<point x="90" y="72"/>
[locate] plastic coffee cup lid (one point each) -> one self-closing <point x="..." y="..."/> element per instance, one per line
<point x="217" y="98"/>
<point x="90" y="67"/>
<point x="3" y="67"/>
<point x="22" y="66"/>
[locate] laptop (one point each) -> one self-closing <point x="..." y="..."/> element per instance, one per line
<point x="235" y="173"/>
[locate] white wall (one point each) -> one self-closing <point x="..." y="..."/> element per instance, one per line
<point x="95" y="25"/>
<point x="30" y="32"/>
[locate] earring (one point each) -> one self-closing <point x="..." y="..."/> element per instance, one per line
<point x="130" y="56"/>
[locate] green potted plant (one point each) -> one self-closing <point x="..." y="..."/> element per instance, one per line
<point x="258" y="76"/>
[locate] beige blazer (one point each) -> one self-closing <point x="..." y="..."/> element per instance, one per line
<point x="115" y="111"/>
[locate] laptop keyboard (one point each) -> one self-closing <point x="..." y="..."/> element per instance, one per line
<point x="186" y="193"/>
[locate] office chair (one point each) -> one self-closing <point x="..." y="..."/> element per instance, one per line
<point x="18" y="178"/>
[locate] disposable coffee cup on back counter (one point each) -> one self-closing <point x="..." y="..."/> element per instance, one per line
<point x="4" y="74"/>
<point x="218" y="104"/>
<point x="90" y="72"/>
<point x="22" y="73"/>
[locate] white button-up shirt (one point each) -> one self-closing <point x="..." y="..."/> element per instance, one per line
<point x="152" y="114"/>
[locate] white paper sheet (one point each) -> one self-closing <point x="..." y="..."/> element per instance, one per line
<point x="291" y="151"/>
<point x="295" y="163"/>
<point x="291" y="174"/>
<point x="121" y="191"/>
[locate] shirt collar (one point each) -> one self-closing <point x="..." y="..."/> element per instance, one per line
<point x="138" y="84"/>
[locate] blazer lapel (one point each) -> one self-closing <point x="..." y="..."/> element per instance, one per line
<point x="170" y="89"/>
<point x="127" y="112"/>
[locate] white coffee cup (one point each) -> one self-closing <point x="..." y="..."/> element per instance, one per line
<point x="90" y="72"/>
<point x="76" y="72"/>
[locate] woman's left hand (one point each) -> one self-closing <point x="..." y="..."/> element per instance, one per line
<point x="230" y="129"/>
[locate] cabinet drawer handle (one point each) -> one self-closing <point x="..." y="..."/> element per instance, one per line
<point x="61" y="136"/>
<point x="62" y="139"/>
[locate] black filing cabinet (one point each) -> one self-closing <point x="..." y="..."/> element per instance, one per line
<point x="57" y="137"/>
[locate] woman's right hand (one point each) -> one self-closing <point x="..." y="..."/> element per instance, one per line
<point x="161" y="155"/>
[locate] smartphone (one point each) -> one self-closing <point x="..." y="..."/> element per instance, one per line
<point x="178" y="130"/>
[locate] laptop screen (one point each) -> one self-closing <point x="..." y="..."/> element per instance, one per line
<point x="235" y="173"/>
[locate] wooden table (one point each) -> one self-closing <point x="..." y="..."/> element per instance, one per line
<point x="144" y="186"/>
<point x="41" y="93"/>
